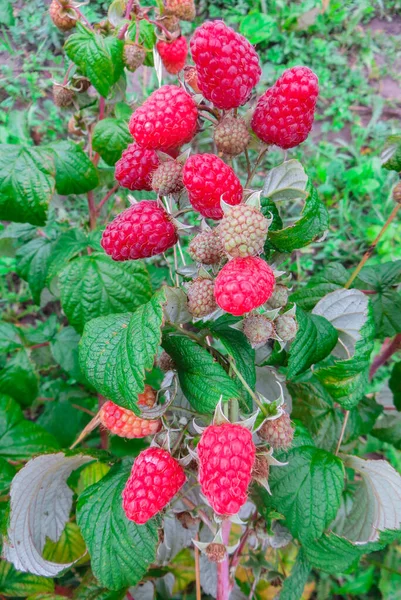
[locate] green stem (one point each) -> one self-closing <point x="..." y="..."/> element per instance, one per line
<point x="248" y="389"/>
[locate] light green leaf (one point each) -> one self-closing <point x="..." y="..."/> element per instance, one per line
<point x="315" y="339"/>
<point x="19" y="380"/>
<point x="75" y="173"/>
<point x="69" y="548"/>
<point x="116" y="351"/>
<point x="33" y="260"/>
<point x="238" y="347"/>
<point x="388" y="429"/>
<point x="390" y="578"/>
<point x="286" y="182"/>
<point x="293" y="586"/>
<point x="90" y="475"/>
<point x="203" y="381"/>
<point x="257" y="27"/>
<point x="110" y="138"/>
<point x="312" y="224"/>
<point x="69" y="244"/>
<point x="17" y="584"/>
<point x="121" y="551"/>
<point x="98" y="57"/>
<point x="9" y="337"/>
<point x="391" y="157"/>
<point x="333" y="277"/>
<point x="308" y="491"/>
<point x="6" y="14"/>
<point x="20" y="438"/>
<point x="26" y="183"/>
<point x="95" y="285"/>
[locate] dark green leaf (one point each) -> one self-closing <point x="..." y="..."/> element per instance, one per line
<point x="202" y="379"/>
<point x="293" y="586"/>
<point x="333" y="554"/>
<point x="121" y="551"/>
<point x="116" y="351"/>
<point x="75" y="173"/>
<point x="33" y="261"/>
<point x="26" y="183"/>
<point x="19" y="438"/>
<point x="269" y="210"/>
<point x="312" y="224"/>
<point x="90" y="589"/>
<point x="391" y="157"/>
<point x="395" y="384"/>
<point x="316" y="337"/>
<point x="98" y="57"/>
<point x="7" y="473"/>
<point x="64" y="421"/>
<point x="95" y="285"/>
<point x="69" y="244"/>
<point x="9" y="337"/>
<point x="18" y="379"/>
<point x="110" y="138"/>
<point x="388" y="429"/>
<point x="308" y="491"/>
<point x="333" y="277"/>
<point x="65" y="352"/>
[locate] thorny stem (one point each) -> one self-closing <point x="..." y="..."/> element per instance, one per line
<point x="223" y="574"/>
<point x="246" y="386"/>
<point x="257" y="163"/>
<point x="197" y="570"/>
<point x="42" y="345"/>
<point x="388" y="349"/>
<point x="372" y="247"/>
<point x="340" y="439"/>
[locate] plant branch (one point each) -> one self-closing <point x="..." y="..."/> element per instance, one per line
<point x="106" y="197"/>
<point x="223" y="574"/>
<point x="197" y="570"/>
<point x="102" y="106"/>
<point x="387" y="351"/>
<point x="372" y="247"/>
<point x="92" y="210"/>
<point x="257" y="163"/>
<point x="65" y="80"/>
<point x="42" y="345"/>
<point x="124" y="28"/>
<point x="159" y="25"/>
<point x="340" y="439"/>
<point x="247" y="387"/>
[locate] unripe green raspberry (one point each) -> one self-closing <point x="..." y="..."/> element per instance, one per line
<point x="279" y="298"/>
<point x="243" y="231"/>
<point x="286" y="327"/>
<point x="206" y="248"/>
<point x="278" y="433"/>
<point x="201" y="300"/>
<point x="216" y="552"/>
<point x="258" y="329"/>
<point x="133" y="56"/>
<point x="62" y="95"/>
<point x="167" y="179"/>
<point x="231" y="136"/>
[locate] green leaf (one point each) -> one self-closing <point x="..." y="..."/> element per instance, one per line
<point x="147" y="38"/>
<point x="333" y="277"/>
<point x="110" y="138"/>
<point x="288" y="181"/>
<point x="257" y="27"/>
<point x="388" y="429"/>
<point x="238" y="347"/>
<point x="121" y="551"/>
<point x="19" y="380"/>
<point x="19" y="438"/>
<point x="89" y="589"/>
<point x="116" y="351"/>
<point x="95" y="285"/>
<point x="9" y="337"/>
<point x="269" y="209"/>
<point x="202" y="379"/>
<point x="293" y="586"/>
<point x="395" y="384"/>
<point x="7" y="473"/>
<point x="63" y="420"/>
<point x="90" y="475"/>
<point x="6" y="14"/>
<point x="347" y="380"/>
<point x="315" y="339"/>
<point x="391" y="157"/>
<point x="98" y="57"/>
<point x="307" y="491"/>
<point x="33" y="260"/>
<point x="26" y="183"/>
<point x="333" y="554"/>
<point x="68" y="244"/>
<point x="390" y="578"/>
<point x="64" y="348"/>
<point x="14" y="583"/>
<point x="69" y="547"/>
<point x="312" y="224"/>
<point x="75" y="173"/>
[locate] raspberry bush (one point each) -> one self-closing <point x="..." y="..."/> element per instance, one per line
<point x="181" y="402"/>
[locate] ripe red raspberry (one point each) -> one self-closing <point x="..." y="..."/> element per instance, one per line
<point x="258" y="329"/>
<point x="284" y="114"/>
<point x="243" y="231"/>
<point x="127" y="424"/>
<point x="143" y="230"/>
<point x="286" y="327"/>
<point x="155" y="479"/>
<point x="226" y="455"/>
<point x="59" y="15"/>
<point x="135" y="168"/>
<point x="227" y="64"/>
<point x="201" y="300"/>
<point x="206" y="248"/>
<point x="167" y="119"/>
<point x="231" y="136"/>
<point x="209" y="180"/>
<point x="278" y="433"/>
<point x="133" y="56"/>
<point x="243" y="284"/>
<point x="191" y="78"/>
<point x="173" y="54"/>
<point x="183" y="9"/>
<point x="167" y="179"/>
<point x="62" y="95"/>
